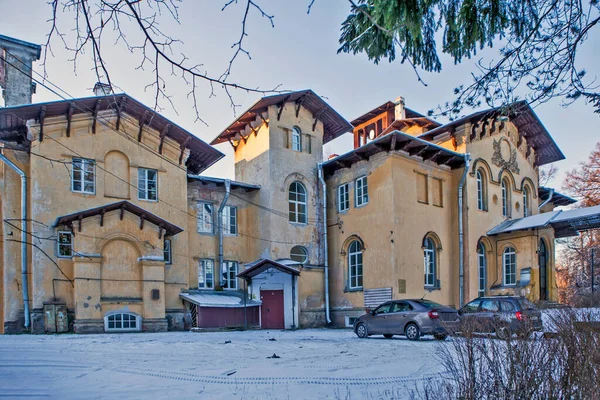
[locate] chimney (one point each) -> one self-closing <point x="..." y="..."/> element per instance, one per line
<point x="399" y="110"/>
<point x="16" y="62"/>
<point x="102" y="89"/>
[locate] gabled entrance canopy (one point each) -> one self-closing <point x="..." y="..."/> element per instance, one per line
<point x="260" y="266"/>
<point x="163" y="225"/>
<point x="565" y="223"/>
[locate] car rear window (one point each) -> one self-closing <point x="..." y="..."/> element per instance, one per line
<point x="429" y="303"/>
<point x="526" y="304"/>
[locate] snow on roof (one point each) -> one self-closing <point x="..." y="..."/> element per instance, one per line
<point x="218" y="299"/>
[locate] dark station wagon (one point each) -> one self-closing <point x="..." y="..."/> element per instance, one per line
<point x="411" y="318"/>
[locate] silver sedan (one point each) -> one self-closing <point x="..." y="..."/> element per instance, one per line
<point x="411" y="318"/>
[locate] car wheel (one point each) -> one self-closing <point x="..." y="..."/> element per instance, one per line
<point x="503" y="332"/>
<point x="361" y="331"/>
<point x="412" y="331"/>
<point x="388" y="336"/>
<point x="440" y="336"/>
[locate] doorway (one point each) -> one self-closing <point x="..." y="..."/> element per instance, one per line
<point x="272" y="315"/>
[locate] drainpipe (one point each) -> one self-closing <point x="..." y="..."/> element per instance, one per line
<point x="547" y="200"/>
<point x="24" y="280"/>
<point x="461" y="250"/>
<point x="220" y="227"/>
<point x="325" y="244"/>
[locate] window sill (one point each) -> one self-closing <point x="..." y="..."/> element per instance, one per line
<point x="438" y="205"/>
<point x="482" y="210"/>
<point x="423" y="202"/>
<point x="361" y="206"/>
<point x="148" y="200"/>
<point x="432" y="288"/>
<point x="298" y="224"/>
<point x="350" y="290"/>
<point x="206" y="233"/>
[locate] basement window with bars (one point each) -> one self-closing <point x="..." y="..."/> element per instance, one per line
<point x="83" y="176"/>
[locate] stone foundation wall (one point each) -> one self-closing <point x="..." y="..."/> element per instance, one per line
<point x="155" y="325"/>
<point x="312" y="318"/>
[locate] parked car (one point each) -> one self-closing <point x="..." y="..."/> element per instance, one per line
<point x="503" y="315"/>
<point x="411" y="318"/>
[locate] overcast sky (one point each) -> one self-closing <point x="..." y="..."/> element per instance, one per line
<point x="298" y="53"/>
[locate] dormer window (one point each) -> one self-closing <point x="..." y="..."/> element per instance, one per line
<point x="296" y="139"/>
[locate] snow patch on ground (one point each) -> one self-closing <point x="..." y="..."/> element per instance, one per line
<point x="315" y="364"/>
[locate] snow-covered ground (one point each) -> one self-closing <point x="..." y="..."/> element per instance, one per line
<point x="313" y="364"/>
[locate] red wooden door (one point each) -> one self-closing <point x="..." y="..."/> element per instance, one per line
<point x="272" y="309"/>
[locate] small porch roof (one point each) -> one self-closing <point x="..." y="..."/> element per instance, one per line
<point x="259" y="266"/>
<point x="558" y="199"/>
<point x="170" y="229"/>
<point x="218" y="299"/>
<point x="219" y="182"/>
<point x="565" y="223"/>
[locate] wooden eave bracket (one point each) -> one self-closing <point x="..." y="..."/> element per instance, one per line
<point x="431" y="155"/>
<point x="42" y="117"/>
<point x="120" y="108"/>
<point x="122" y="212"/>
<point x="69" y="116"/>
<point x="95" y="115"/>
<point x="281" y="106"/>
<point x="317" y="117"/>
<point x="264" y="120"/>
<point x="299" y="104"/>
<point x="79" y="221"/>
<point x="143" y="121"/>
<point x="160" y="231"/>
<point x="232" y="144"/>
<point x="393" y="142"/>
<point x="142" y="219"/>
<point x="183" y="147"/>
<point x="102" y="216"/>
<point x="163" y="134"/>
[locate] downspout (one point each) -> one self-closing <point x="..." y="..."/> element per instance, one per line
<point x="325" y="244"/>
<point x="24" y="279"/>
<point x="461" y="250"/>
<point x="220" y="227"/>
<point x="547" y="200"/>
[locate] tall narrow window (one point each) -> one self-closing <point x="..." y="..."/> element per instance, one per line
<point x="205" y="217"/>
<point x="481" y="269"/>
<point x="167" y="255"/>
<point x="481" y="191"/>
<point x="343" y="198"/>
<point x="83" y="178"/>
<point x="297" y="203"/>
<point x="509" y="266"/>
<point x="430" y="260"/>
<point x="147" y="184"/>
<point x="526" y="202"/>
<point x="229" y="270"/>
<point x="355" y="265"/>
<point x="65" y="244"/>
<point x="505" y="198"/>
<point x="205" y="274"/>
<point x="361" y="192"/>
<point x="229" y="220"/>
<point x="296" y="139"/>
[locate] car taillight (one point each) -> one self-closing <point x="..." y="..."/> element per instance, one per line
<point x="433" y="314"/>
<point x="519" y="316"/>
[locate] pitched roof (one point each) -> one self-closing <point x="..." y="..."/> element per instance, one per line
<point x="334" y="123"/>
<point x="259" y="266"/>
<point x="387" y="106"/>
<point x="170" y="229"/>
<point x="202" y="155"/>
<point x="394" y="141"/>
<point x="527" y="122"/>
<point x="37" y="49"/>
<point x="219" y="182"/>
<point x="558" y="199"/>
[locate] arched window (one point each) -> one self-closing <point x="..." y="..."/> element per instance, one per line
<point x="481" y="191"/>
<point x="296" y="139"/>
<point x="481" y="269"/>
<point x="355" y="265"/>
<point x="299" y="254"/>
<point x="431" y="261"/>
<point x="505" y="198"/>
<point x="526" y="202"/>
<point x="509" y="266"/>
<point x="122" y="322"/>
<point x="297" y="202"/>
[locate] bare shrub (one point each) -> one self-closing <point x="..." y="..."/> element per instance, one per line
<point x="563" y="365"/>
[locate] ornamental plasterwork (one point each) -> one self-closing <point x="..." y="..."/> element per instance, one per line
<point x="505" y="156"/>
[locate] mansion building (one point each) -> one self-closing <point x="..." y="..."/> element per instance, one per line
<point x="109" y="225"/>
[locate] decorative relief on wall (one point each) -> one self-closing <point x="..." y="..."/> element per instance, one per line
<point x="505" y="156"/>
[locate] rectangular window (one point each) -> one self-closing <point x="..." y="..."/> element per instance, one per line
<point x="205" y="274"/>
<point x="229" y="221"/>
<point x="83" y="177"/>
<point x="343" y="197"/>
<point x="436" y="192"/>
<point x="205" y="217"/>
<point x="422" y="195"/>
<point x="147" y="184"/>
<point x="167" y="251"/>
<point x="510" y="268"/>
<point x="361" y="192"/>
<point x="65" y="244"/>
<point x="229" y="271"/>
